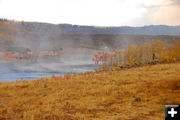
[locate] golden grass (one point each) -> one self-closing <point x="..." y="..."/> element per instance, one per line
<point x="133" y="94"/>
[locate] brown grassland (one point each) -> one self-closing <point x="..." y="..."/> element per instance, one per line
<point x="138" y="93"/>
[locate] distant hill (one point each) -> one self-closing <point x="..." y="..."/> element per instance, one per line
<point x="146" y="30"/>
<point x="79" y="29"/>
<point x="36" y="35"/>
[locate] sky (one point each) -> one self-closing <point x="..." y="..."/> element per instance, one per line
<point x="94" y="12"/>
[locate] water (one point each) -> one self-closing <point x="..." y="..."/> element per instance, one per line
<point x="41" y="69"/>
<point x="16" y="76"/>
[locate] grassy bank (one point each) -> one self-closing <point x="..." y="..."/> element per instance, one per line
<point x="136" y="93"/>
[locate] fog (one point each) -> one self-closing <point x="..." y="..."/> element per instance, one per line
<point x="76" y="56"/>
<point x="78" y="64"/>
<point x="46" y="68"/>
<point x="78" y="49"/>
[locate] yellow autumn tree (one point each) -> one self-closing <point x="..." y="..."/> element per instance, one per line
<point x="147" y="53"/>
<point x="157" y="49"/>
<point x="171" y="53"/>
<point x="143" y="53"/>
<point x="130" y="55"/>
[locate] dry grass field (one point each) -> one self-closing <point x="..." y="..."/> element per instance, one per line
<point x="133" y="94"/>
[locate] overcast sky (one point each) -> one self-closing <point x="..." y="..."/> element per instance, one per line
<point x="94" y="12"/>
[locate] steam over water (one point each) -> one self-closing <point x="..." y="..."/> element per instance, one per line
<point x="45" y="68"/>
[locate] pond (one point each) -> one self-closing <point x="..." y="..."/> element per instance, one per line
<point x="41" y="69"/>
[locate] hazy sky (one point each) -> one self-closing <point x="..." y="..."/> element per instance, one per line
<point x="94" y="12"/>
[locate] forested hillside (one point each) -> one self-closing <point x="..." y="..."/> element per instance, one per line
<point x="33" y="34"/>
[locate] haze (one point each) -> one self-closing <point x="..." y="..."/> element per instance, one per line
<point x="94" y="12"/>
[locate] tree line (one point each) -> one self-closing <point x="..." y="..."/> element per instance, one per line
<point x="146" y="53"/>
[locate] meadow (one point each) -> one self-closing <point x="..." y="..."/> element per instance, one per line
<point x="138" y="93"/>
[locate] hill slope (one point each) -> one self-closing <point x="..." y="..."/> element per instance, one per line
<point x="35" y="35"/>
<point x="136" y="93"/>
<point x="80" y="29"/>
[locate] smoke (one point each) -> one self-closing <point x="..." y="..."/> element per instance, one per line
<point x="77" y="49"/>
<point x="76" y="64"/>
